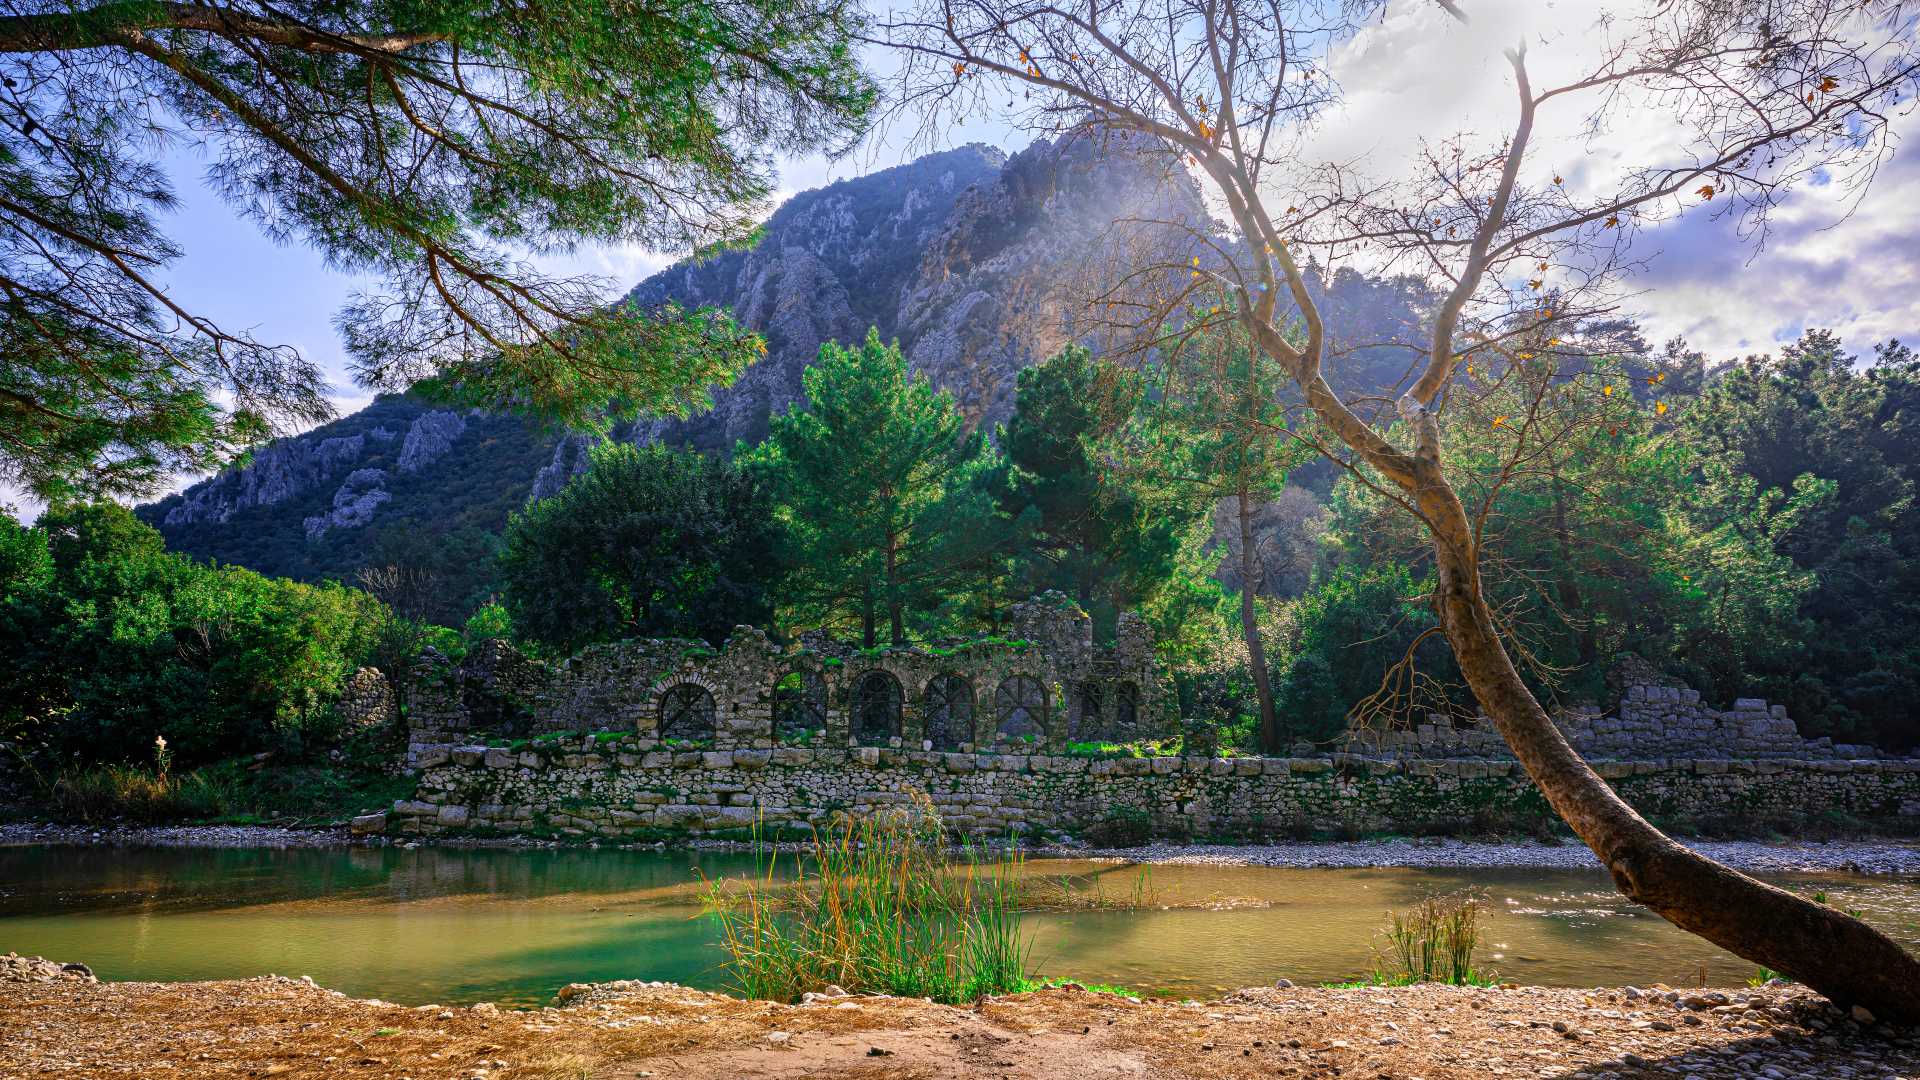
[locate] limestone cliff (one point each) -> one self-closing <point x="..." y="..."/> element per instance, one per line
<point x="971" y="259"/>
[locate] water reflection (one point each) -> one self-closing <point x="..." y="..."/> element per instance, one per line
<point x="513" y="926"/>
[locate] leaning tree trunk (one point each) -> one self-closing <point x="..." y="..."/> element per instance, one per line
<point x="1834" y="953"/>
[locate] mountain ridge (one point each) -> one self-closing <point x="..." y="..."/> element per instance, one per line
<point x="957" y="254"/>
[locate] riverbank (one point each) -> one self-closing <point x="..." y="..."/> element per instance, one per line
<point x="285" y="1027"/>
<point x="1877" y="857"/>
<point x="1866" y="856"/>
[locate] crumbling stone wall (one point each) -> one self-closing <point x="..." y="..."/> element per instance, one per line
<point x="1654" y="720"/>
<point x="1046" y="687"/>
<point x="653" y="738"/>
<point x="630" y="788"/>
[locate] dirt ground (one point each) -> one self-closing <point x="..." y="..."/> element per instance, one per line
<point x="278" y="1027"/>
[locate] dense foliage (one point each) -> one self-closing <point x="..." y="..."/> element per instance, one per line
<point x="1092" y="530"/>
<point x="108" y="641"/>
<point x="647" y="542"/>
<point x="1832" y="446"/>
<point x="882" y="492"/>
<point x="430" y="147"/>
<point x="1750" y="531"/>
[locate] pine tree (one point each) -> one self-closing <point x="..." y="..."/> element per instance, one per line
<point x="1087" y="528"/>
<point x="427" y="147"/>
<point x="880" y="487"/>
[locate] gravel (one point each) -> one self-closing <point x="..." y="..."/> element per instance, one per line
<point x="1883" y="857"/>
<point x="1875" y="857"/>
<point x="180" y="836"/>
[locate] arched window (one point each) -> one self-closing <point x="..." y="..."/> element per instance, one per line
<point x="799" y="706"/>
<point x="876" y="708"/>
<point x="1126" y="709"/>
<point x="1085" y="722"/>
<point x="948" y="708"/>
<point x="1020" y="706"/>
<point x="686" y="712"/>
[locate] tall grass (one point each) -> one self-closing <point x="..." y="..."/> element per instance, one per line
<point x="1435" y="941"/>
<point x="877" y="904"/>
<point x="131" y="793"/>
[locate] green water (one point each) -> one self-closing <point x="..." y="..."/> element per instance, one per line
<point x="432" y="925"/>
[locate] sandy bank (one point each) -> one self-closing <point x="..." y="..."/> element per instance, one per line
<point x="281" y="1027"/>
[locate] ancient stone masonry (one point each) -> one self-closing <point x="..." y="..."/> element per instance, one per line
<point x="1045" y="686"/>
<point x="582" y="786"/>
<point x="656" y="738"/>
<point x="1654" y="721"/>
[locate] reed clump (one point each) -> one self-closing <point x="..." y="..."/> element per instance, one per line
<point x="877" y="904"/>
<point x="1434" y="942"/>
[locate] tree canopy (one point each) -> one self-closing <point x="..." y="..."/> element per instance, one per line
<point x="109" y="641"/>
<point x="1089" y="528"/>
<point x="883" y="492"/>
<point x="438" y="149"/>
<point x="648" y="542"/>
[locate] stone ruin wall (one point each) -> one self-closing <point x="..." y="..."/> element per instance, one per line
<point x="1044" y="685"/>
<point x="589" y="747"/>
<point x="1652" y="721"/>
<point x="583" y="788"/>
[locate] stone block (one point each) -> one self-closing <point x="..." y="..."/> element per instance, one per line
<point x="679" y="816"/>
<point x="369" y="824"/>
<point x="453" y="816"/>
<point x="415" y="808"/>
<point x="751" y="760"/>
<point x="427" y="755"/>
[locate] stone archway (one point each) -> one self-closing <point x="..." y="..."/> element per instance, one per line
<point x="947" y="706"/>
<point x="1085" y="720"/>
<point x="875" y="713"/>
<point x="687" y="713"/>
<point x="1020" y="710"/>
<point x="799" y="706"/>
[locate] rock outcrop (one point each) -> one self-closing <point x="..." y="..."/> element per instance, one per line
<point x="430" y="438"/>
<point x="278" y="472"/>
<point x="354" y="502"/>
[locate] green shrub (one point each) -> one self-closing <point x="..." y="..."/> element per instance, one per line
<point x="109" y="641"/>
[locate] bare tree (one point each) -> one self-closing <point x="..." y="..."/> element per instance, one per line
<point x="1754" y="96"/>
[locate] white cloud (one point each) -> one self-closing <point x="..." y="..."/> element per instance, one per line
<point x="1417" y="74"/>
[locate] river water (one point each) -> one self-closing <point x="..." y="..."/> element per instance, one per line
<point x="447" y="925"/>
